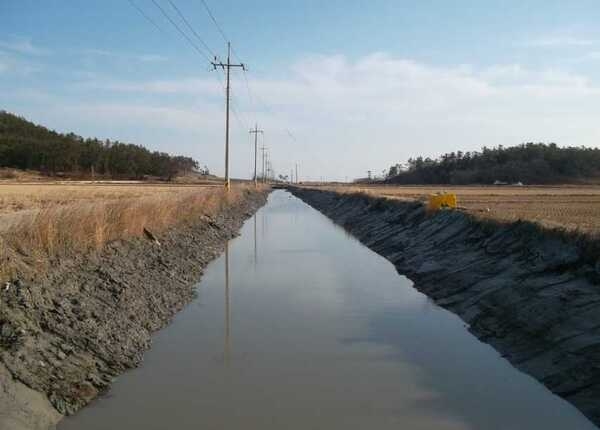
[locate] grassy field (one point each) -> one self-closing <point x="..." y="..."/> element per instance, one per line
<point x="45" y="220"/>
<point x="568" y="207"/>
<point x="16" y="197"/>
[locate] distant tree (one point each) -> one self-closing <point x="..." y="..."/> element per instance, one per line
<point x="24" y="145"/>
<point x="534" y="163"/>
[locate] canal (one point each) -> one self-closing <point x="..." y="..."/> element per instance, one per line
<point x="299" y="326"/>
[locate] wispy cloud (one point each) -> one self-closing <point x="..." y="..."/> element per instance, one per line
<point x="23" y="46"/>
<point x="187" y="86"/>
<point x="586" y="57"/>
<point x="9" y="63"/>
<point x="145" y="58"/>
<point x="560" y="41"/>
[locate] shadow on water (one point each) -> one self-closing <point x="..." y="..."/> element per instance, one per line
<point x="298" y="326"/>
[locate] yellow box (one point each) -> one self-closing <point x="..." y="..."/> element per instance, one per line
<point x="438" y="201"/>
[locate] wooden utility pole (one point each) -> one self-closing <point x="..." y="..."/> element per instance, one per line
<point x="263" y="149"/>
<point x="255" y="132"/>
<point x="226" y="67"/>
<point x="296" y="172"/>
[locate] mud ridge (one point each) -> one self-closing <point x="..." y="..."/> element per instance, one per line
<point x="533" y="295"/>
<point x="65" y="335"/>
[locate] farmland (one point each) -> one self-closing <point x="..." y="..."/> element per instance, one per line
<point x="15" y="197"/>
<point x="44" y="220"/>
<point x="570" y="207"/>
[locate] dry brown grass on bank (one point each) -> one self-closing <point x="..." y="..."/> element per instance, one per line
<point x="568" y="207"/>
<point x="32" y="237"/>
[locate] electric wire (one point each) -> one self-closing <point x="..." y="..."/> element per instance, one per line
<point x="190" y="41"/>
<point x="212" y="17"/>
<point x="253" y="97"/>
<point x="145" y="15"/>
<point x="191" y="28"/>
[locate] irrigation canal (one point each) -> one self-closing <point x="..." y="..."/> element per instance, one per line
<point x="299" y="326"/>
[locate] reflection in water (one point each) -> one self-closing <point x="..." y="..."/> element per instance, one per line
<point x="227" y="349"/>
<point x="255" y="252"/>
<point x="327" y="336"/>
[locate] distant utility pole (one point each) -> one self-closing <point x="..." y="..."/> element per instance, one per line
<point x="296" y="172"/>
<point x="226" y="67"/>
<point x="267" y="166"/>
<point x="291" y="176"/>
<point x="255" y="132"/>
<point x="263" y="149"/>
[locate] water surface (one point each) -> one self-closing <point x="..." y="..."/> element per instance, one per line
<point x="299" y="326"/>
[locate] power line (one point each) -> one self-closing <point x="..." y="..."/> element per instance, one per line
<point x="253" y="97"/>
<point x="191" y="28"/>
<point x="212" y="17"/>
<point x="236" y="113"/>
<point x="247" y="84"/>
<point x="141" y="11"/>
<point x="249" y="92"/>
<point x="190" y="41"/>
<point x="226" y="39"/>
<point x="222" y="84"/>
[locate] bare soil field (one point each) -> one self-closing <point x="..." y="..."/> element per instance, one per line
<point x="569" y="207"/>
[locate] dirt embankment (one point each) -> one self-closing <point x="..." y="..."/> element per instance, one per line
<point x="65" y="335"/>
<point x="533" y="295"/>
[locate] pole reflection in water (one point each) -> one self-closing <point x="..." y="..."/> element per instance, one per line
<point x="227" y="348"/>
<point x="255" y="253"/>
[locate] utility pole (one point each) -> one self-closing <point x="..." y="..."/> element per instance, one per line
<point x="296" y="172"/>
<point x="267" y="167"/>
<point x="255" y="132"/>
<point x="226" y="67"/>
<point x="263" y="149"/>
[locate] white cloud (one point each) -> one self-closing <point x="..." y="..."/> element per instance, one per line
<point x="169" y="117"/>
<point x="23" y="46"/>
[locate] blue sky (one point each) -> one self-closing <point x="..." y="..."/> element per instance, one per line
<point x="360" y="85"/>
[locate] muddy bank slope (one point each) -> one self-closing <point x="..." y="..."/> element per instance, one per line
<point x="534" y="296"/>
<point x="65" y="335"/>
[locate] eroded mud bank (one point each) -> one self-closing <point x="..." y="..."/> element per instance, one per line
<point x="533" y="296"/>
<point x="65" y="335"/>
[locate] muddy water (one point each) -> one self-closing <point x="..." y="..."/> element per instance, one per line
<point x="298" y="326"/>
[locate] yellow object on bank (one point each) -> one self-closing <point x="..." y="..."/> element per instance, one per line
<point x="438" y="201"/>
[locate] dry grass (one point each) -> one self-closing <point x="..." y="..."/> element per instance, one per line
<point x="42" y="222"/>
<point x="18" y="196"/>
<point x="573" y="208"/>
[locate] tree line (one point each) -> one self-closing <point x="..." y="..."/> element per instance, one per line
<point x="530" y="163"/>
<point x="24" y="145"/>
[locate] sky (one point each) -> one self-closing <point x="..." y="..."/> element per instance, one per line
<point x="340" y="87"/>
